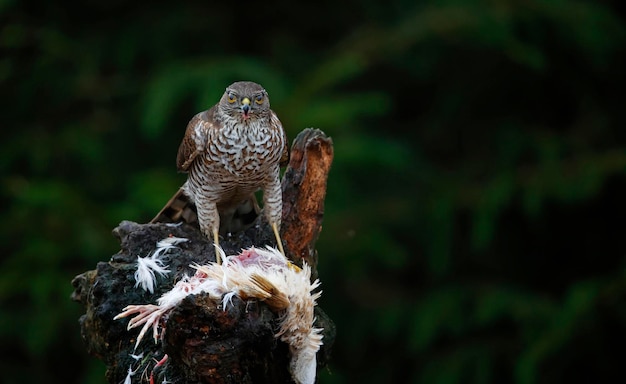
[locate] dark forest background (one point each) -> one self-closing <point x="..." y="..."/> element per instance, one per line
<point x="475" y="219"/>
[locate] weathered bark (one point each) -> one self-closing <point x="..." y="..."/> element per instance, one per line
<point x="204" y="343"/>
<point x="304" y="190"/>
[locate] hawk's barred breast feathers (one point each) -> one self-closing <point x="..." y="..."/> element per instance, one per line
<point x="229" y="152"/>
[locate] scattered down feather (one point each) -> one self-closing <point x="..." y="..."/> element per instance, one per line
<point x="262" y="274"/>
<point x="149" y="266"/>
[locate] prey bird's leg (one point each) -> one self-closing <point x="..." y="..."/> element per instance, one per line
<point x="278" y="240"/>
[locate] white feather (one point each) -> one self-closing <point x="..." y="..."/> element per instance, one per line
<point x="137" y="357"/>
<point x="148" y="267"/>
<point x="163" y="246"/>
<point x="145" y="275"/>
<point x="129" y="375"/>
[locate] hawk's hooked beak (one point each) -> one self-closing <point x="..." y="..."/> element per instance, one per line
<point x="245" y="107"/>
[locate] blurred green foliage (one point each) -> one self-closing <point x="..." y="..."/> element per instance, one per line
<point x="473" y="230"/>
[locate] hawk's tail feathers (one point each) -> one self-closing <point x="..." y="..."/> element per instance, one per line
<point x="178" y="208"/>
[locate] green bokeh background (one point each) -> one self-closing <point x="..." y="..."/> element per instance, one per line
<point x="474" y="226"/>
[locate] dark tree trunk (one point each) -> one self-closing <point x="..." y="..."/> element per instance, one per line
<point x="204" y="343"/>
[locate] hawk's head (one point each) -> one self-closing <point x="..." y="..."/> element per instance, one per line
<point x="245" y="100"/>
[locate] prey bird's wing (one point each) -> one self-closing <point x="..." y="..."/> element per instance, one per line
<point x="277" y="125"/>
<point x="196" y="138"/>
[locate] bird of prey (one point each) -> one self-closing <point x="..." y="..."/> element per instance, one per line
<point x="229" y="152"/>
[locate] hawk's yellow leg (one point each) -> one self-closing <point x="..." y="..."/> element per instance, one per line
<point x="278" y="240"/>
<point x="216" y="242"/>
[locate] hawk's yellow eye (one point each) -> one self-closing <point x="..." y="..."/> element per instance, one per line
<point x="231" y="98"/>
<point x="258" y="99"/>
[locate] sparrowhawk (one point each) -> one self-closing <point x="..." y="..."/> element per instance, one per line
<point x="229" y="152"/>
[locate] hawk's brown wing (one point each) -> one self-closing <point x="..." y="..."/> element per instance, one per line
<point x="180" y="207"/>
<point x="195" y="139"/>
<point x="277" y="125"/>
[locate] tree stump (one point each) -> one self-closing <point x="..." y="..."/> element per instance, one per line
<point x="203" y="342"/>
